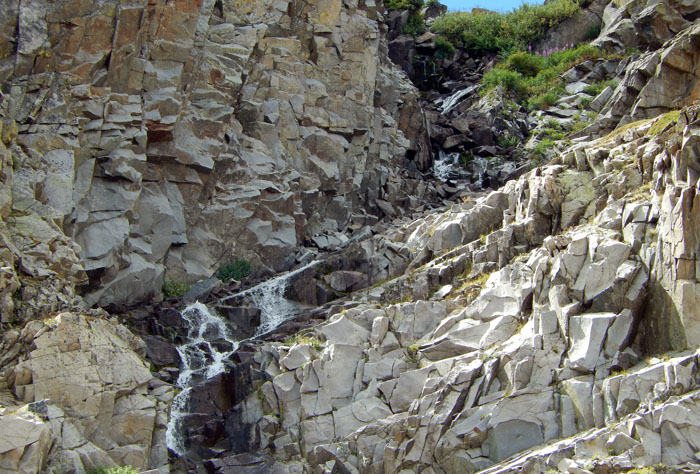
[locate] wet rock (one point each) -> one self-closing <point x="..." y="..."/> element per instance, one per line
<point x="160" y="351"/>
<point x="244" y="319"/>
<point x="201" y="289"/>
<point x="240" y="464"/>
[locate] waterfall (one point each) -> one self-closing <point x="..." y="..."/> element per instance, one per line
<point x="446" y="105"/>
<point x="210" y="343"/>
<point x="201" y="359"/>
<point x="447" y="166"/>
<point x="268" y="296"/>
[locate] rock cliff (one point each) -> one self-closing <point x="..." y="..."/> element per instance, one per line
<point x="169" y="136"/>
<point x="80" y="385"/>
<point x="550" y="324"/>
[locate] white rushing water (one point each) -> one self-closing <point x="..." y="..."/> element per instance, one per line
<point x="446" y="165"/>
<point x="268" y="296"/>
<point x="446" y="105"/>
<point x="210" y="343"/>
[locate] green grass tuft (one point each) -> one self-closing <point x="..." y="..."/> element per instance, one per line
<point x="174" y="289"/>
<point x="237" y="269"/>
<point x="113" y="470"/>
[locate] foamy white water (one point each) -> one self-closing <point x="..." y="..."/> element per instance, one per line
<point x="268" y="296"/>
<point x="449" y="103"/>
<point x="210" y="343"/>
<point x="446" y="165"/>
<point x="200" y="359"/>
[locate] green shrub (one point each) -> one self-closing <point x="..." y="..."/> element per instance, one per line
<point x="553" y="133"/>
<point x="491" y="32"/>
<point x="597" y="87"/>
<point x="508" y="141"/>
<point x="592" y="89"/>
<point x="479" y="31"/>
<point x="526" y="64"/>
<point x="415" y="26"/>
<point x="535" y="79"/>
<point x="113" y="470"/>
<point x="174" y="289"/>
<point x="530" y="23"/>
<point x="237" y="269"/>
<point x="510" y="81"/>
<point x="443" y="48"/>
<point x="543" y="101"/>
<point x="412" y="5"/>
<point x="540" y="150"/>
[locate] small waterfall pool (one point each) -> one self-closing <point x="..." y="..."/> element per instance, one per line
<point x="210" y="343"/>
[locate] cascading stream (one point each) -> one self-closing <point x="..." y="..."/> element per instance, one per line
<point x="447" y="104"/>
<point x="210" y="343"/>
<point x="446" y="166"/>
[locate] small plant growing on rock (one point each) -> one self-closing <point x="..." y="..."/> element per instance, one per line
<point x="113" y="470"/>
<point x="444" y="49"/>
<point x="412" y="5"/>
<point x="174" y="289"/>
<point x="414" y="27"/>
<point x="309" y="339"/>
<point x="541" y="149"/>
<point x="237" y="269"/>
<point x="412" y="353"/>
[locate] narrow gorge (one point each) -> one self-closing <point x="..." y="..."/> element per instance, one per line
<point x="349" y="236"/>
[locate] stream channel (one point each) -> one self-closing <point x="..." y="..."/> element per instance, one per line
<point x="210" y="342"/>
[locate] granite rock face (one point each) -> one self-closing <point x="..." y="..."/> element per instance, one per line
<point x="665" y="76"/>
<point x="83" y="398"/>
<point x="152" y="133"/>
<point x="511" y="331"/>
<point x="506" y="348"/>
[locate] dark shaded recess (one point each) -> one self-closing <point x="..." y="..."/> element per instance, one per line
<point x="218" y="9"/>
<point x="244" y="463"/>
<point x="660" y="328"/>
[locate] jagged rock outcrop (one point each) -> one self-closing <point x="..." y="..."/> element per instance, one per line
<point x="530" y="334"/>
<point x="510" y="331"/>
<point x="38" y="262"/>
<point x="664" y="78"/>
<point x="155" y="132"/>
<point x="645" y="24"/>
<point x="84" y="398"/>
